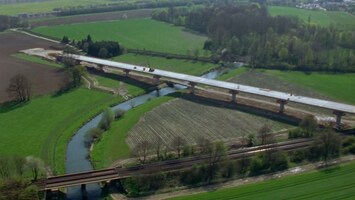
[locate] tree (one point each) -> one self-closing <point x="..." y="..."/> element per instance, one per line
<point x="251" y="140"/>
<point x="36" y="166"/>
<point x="141" y="151"/>
<point x="204" y="144"/>
<point x="264" y="134"/>
<point x="19" y="163"/>
<point x="329" y="143"/>
<point x="19" y="88"/>
<point x="217" y="153"/>
<point x="178" y="143"/>
<point x="107" y="118"/>
<point x="309" y="125"/>
<point x="65" y="40"/>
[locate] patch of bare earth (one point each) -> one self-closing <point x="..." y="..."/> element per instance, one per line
<point x="44" y="79"/>
<point x="193" y="120"/>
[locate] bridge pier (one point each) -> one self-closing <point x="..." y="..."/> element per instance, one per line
<point x="282" y="105"/>
<point x="48" y="194"/>
<point x="84" y="193"/>
<point x="338" y="114"/>
<point x="126" y="71"/>
<point x="234" y="95"/>
<point x="101" y="67"/>
<point x="192" y="87"/>
<point x="156" y="79"/>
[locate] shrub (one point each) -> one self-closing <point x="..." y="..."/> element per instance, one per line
<point x="256" y="165"/>
<point x="107" y="118"/>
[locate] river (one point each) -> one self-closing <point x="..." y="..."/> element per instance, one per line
<point x="77" y="151"/>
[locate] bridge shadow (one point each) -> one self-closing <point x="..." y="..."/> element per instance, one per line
<point x="117" y="77"/>
<point x="280" y="117"/>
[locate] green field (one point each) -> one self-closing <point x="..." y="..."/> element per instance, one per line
<point x="341" y="20"/>
<point x="43" y="126"/>
<point x="132" y="33"/>
<point x="338" y="86"/>
<point x="113" y="144"/>
<point x="47" y="6"/>
<point x="175" y="65"/>
<point x="36" y="59"/>
<point x="335" y="183"/>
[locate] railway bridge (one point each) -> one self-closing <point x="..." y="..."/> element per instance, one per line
<point x="339" y="109"/>
<point x="106" y="175"/>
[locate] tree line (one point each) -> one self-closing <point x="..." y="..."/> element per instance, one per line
<point x="280" y="42"/>
<point x="100" y="49"/>
<point x="16" y="176"/>
<point x="7" y="22"/>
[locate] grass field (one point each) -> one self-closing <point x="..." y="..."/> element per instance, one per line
<point x="335" y="183"/>
<point x="113" y="144"/>
<point x="47" y="6"/>
<point x="35" y="59"/>
<point x="43" y="126"/>
<point x="338" y="86"/>
<point x="175" y="65"/>
<point x="341" y="20"/>
<point x="132" y="33"/>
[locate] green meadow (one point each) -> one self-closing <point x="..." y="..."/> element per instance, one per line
<point x="43" y="126"/>
<point x="341" y="20"/>
<point x="339" y="86"/>
<point x="132" y="33"/>
<point x="335" y="183"/>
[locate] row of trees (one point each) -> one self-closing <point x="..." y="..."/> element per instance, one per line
<point x="101" y="49"/>
<point x="16" y="174"/>
<point x="7" y="22"/>
<point x="281" y="42"/>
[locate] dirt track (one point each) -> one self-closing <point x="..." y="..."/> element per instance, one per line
<point x="44" y="79"/>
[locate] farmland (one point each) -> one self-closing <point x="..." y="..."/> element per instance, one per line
<point x="85" y="18"/>
<point x="12" y="64"/>
<point x="193" y="120"/>
<point x="336" y="183"/>
<point x="46" y="6"/>
<point x="133" y="33"/>
<point x="175" y="65"/>
<point x="113" y="145"/>
<point x="45" y="124"/>
<point x="341" y="20"/>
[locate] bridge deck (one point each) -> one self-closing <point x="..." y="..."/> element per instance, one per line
<point x="224" y="85"/>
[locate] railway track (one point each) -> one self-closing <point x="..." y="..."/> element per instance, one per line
<point x="109" y="174"/>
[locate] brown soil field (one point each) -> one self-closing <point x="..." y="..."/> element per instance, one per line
<point x="129" y="14"/>
<point x="44" y="79"/>
<point x="193" y="120"/>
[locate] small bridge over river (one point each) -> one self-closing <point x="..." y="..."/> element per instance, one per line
<point x="339" y="109"/>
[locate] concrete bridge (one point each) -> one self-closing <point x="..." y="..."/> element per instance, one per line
<point x="339" y="109"/>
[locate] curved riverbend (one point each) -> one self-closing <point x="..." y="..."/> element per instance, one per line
<point x="77" y="152"/>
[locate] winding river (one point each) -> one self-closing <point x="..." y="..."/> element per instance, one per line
<point x="77" y="151"/>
